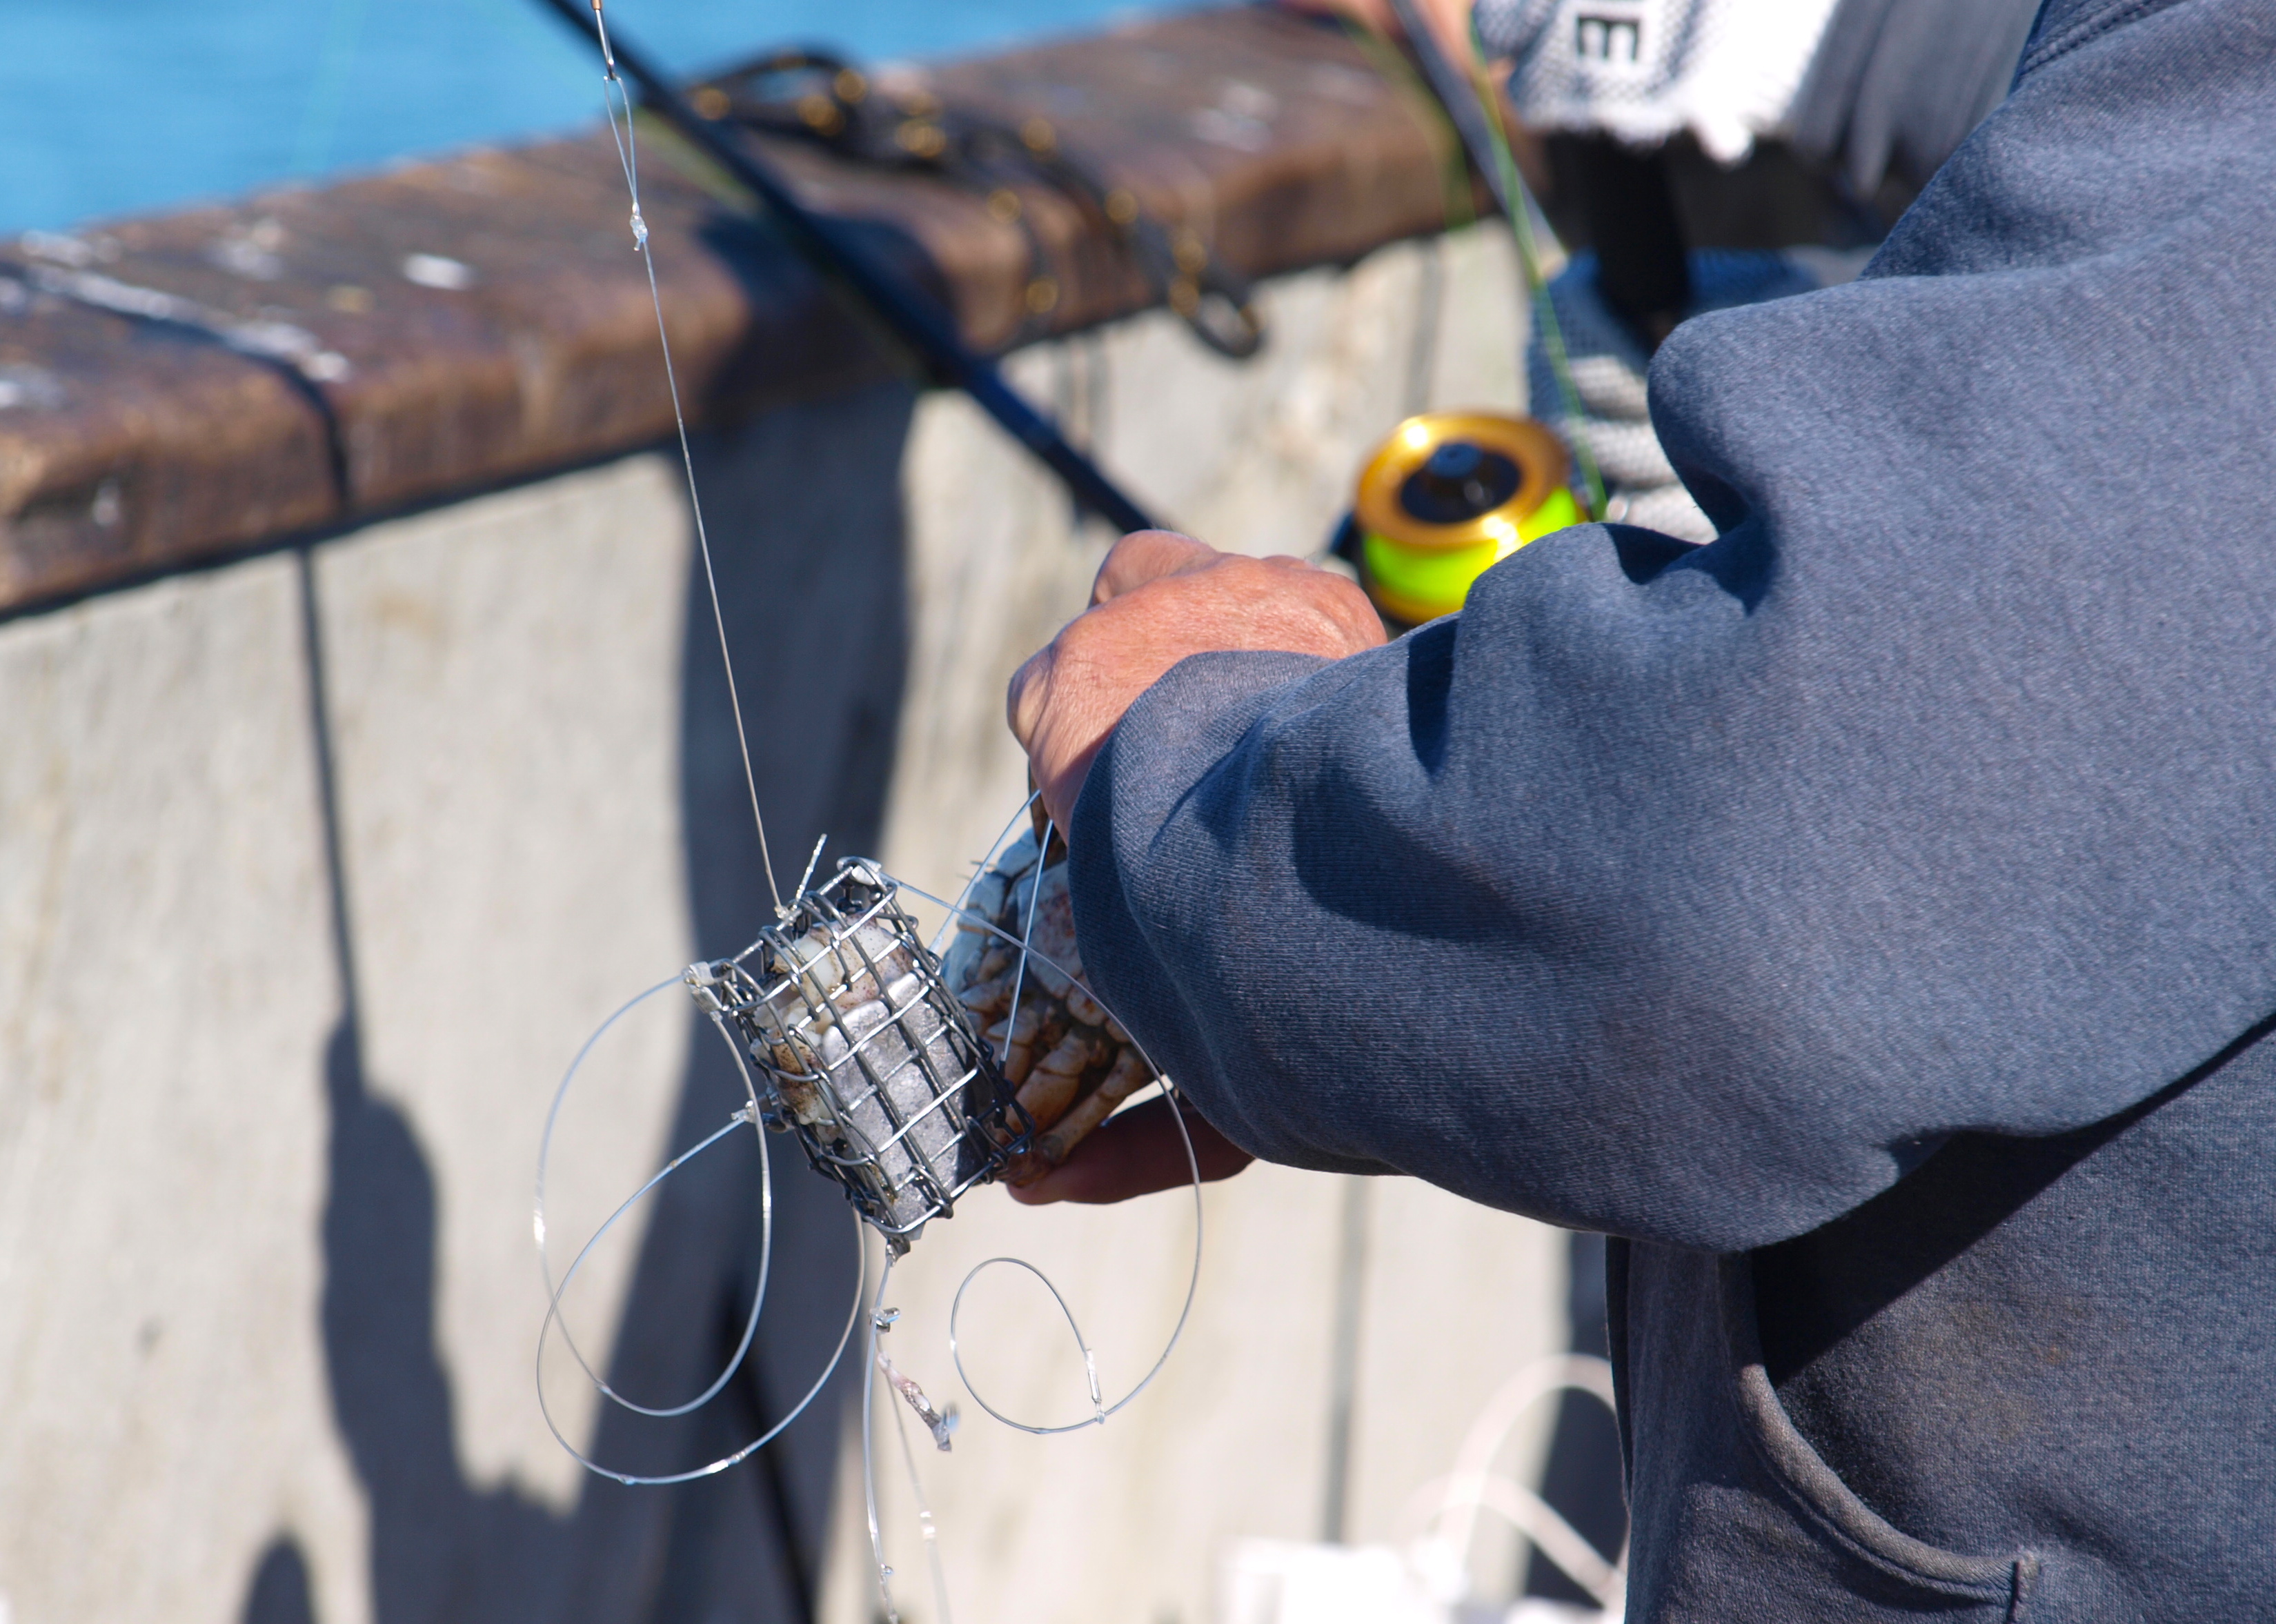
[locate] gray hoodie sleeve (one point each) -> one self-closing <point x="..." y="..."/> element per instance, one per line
<point x="1689" y="894"/>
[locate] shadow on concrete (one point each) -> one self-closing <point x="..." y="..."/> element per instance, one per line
<point x="1582" y="1477"/>
<point x="807" y="532"/>
<point x="279" y="1591"/>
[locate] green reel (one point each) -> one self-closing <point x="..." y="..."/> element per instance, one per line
<point x="1446" y="498"/>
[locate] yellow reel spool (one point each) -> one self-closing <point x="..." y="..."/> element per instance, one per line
<point x="1451" y="494"/>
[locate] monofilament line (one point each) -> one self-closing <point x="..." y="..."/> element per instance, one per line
<point x="618" y="102"/>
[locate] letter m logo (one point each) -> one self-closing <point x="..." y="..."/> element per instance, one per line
<point x="1607" y="39"/>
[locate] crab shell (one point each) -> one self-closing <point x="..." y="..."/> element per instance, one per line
<point x="1071" y="1063"/>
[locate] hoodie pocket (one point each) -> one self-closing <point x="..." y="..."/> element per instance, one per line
<point x="1826" y="1508"/>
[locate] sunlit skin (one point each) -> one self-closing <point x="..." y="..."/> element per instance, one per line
<point x="1158" y="598"/>
<point x="1449" y="20"/>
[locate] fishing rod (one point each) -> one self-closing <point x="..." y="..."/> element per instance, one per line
<point x="1451" y="494"/>
<point x="904" y="312"/>
<point x="1463" y="99"/>
<point x="1458" y="97"/>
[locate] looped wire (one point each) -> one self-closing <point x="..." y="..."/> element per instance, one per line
<point x="1101" y="1410"/>
<point x="1202" y="284"/>
<point x="556" y="1323"/>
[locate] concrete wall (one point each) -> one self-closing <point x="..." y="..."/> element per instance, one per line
<point x="315" y="870"/>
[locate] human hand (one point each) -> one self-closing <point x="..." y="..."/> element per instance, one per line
<point x="1136" y="1152"/>
<point x="1449" y="20"/>
<point x="1159" y="598"/>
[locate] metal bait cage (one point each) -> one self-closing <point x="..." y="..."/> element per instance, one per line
<point x="866" y="1054"/>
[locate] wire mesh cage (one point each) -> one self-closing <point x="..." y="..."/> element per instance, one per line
<point x="867" y="1055"/>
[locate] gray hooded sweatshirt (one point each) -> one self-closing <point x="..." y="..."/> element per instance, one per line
<point x="1870" y="917"/>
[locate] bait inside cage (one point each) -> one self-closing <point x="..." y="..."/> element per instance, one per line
<point x="865" y="1053"/>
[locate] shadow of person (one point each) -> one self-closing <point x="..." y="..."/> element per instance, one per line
<point x="440" y="1549"/>
<point x="807" y="534"/>
<point x="743" y="1545"/>
<point x="279" y="1591"/>
<point x="808" y="540"/>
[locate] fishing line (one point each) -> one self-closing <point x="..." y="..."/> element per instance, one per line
<point x="1101" y="1410"/>
<point x="758" y="1295"/>
<point x="320" y="119"/>
<point x="879" y="1318"/>
<point x="614" y="96"/>
<point x="635" y="1480"/>
<point x="1453" y="166"/>
<point x="748" y="1113"/>
<point x="1475" y="110"/>
<point x="878" y="292"/>
<point x="1517" y="202"/>
<point x="1027" y="935"/>
<point x="555" y="1322"/>
<point x="931" y="1529"/>
<point x="617" y="102"/>
<point x="957" y="909"/>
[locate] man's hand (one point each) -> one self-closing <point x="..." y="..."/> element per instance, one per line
<point x="1159" y="598"/>
<point x="1136" y="1152"/>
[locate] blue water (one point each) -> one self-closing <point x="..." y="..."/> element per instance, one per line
<point x="113" y="106"/>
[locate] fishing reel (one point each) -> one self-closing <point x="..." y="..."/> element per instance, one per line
<point x="1445" y="498"/>
<point x="866" y="1054"/>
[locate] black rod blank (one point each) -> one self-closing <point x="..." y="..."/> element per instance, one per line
<point x="904" y="311"/>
